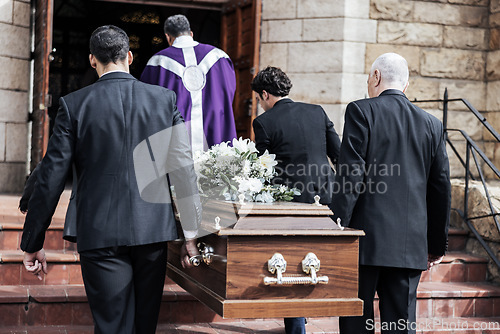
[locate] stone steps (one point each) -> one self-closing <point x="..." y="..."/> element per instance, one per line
<point x="11" y="233"/>
<point x="451" y="293"/>
<point x="457" y="267"/>
<point x="66" y="305"/>
<point x="457" y="299"/>
<point x="63" y="268"/>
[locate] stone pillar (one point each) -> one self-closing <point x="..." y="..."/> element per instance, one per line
<point x="14" y="86"/>
<point x="321" y="45"/>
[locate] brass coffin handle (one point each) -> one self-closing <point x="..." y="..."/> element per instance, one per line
<point x="206" y="255"/>
<point x="310" y="266"/>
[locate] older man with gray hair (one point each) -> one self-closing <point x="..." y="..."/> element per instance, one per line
<point x="393" y="174"/>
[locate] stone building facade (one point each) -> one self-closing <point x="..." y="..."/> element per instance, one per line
<point x="14" y="97"/>
<point x="327" y="47"/>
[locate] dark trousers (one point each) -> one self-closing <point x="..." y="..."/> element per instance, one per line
<point x="397" y="292"/>
<point x="295" y="325"/>
<point x="124" y="287"/>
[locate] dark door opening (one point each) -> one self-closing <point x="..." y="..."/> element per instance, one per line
<point x="75" y="20"/>
<point x="63" y="29"/>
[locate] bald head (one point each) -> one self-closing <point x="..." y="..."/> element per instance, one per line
<point x="389" y="71"/>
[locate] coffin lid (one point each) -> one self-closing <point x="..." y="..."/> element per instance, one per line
<point x="277" y="218"/>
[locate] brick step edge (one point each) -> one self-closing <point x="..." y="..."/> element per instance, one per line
<point x="74" y="293"/>
<point x="7" y="224"/>
<point x="58" y="256"/>
<point x="53" y="256"/>
<point x="171" y="291"/>
<point x="314" y="325"/>
<point x="457" y="267"/>
<point x="457" y="290"/>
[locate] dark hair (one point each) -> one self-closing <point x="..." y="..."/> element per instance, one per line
<point x="273" y="80"/>
<point x="177" y="25"/>
<point x="109" y="44"/>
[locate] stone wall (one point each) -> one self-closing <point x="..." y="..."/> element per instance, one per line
<point x="447" y="44"/>
<point x="14" y="86"/>
<point x="321" y="45"/>
<point x="327" y="48"/>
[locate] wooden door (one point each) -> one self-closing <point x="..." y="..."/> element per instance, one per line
<point x="240" y="38"/>
<point x="41" y="99"/>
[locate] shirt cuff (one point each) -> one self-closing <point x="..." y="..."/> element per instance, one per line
<point x="190" y="234"/>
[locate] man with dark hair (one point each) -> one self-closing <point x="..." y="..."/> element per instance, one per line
<point x="123" y="137"/>
<point x="303" y="138"/>
<point x="202" y="77"/>
<point x="403" y="211"/>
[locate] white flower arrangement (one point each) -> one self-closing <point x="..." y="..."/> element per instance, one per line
<point x="226" y="172"/>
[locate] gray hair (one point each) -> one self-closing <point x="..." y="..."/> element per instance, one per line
<point x="393" y="69"/>
<point x="177" y="25"/>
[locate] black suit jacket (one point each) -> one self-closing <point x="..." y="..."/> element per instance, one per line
<point x="302" y="137"/>
<point x="394" y="174"/>
<point x="122" y="135"/>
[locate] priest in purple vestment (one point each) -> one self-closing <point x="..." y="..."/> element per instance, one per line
<point x="203" y="78"/>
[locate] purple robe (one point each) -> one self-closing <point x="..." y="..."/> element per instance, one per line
<point x="203" y="78"/>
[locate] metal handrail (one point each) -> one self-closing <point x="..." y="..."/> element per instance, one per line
<point x="474" y="150"/>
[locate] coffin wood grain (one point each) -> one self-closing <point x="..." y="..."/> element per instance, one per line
<point x="286" y="308"/>
<point x="247" y="266"/>
<point x="251" y="309"/>
<point x="248" y="238"/>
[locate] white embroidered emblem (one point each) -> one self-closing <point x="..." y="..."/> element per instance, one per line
<point x="193" y="78"/>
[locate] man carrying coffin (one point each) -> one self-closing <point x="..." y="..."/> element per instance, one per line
<point x="123" y="137"/>
<point x="203" y="78"/>
<point x="394" y="176"/>
<point x="303" y="138"/>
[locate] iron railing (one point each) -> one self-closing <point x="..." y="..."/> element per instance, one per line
<point x="472" y="149"/>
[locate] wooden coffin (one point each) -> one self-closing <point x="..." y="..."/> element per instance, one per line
<point x="246" y="236"/>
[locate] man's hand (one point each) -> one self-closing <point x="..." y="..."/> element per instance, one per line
<point x="432" y="260"/>
<point x="35" y="263"/>
<point x="188" y="250"/>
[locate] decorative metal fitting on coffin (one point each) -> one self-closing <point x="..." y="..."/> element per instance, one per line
<point x="310" y="265"/>
<point x="206" y="255"/>
<point x="276" y="264"/>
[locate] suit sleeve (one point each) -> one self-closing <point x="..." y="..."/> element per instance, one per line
<point x="50" y="182"/>
<point x="332" y="140"/>
<point x="28" y="189"/>
<point x="262" y="140"/>
<point x="180" y="167"/>
<point x="438" y="201"/>
<point x="351" y="164"/>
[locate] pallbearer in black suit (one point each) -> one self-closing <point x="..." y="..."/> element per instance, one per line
<point x="300" y="134"/>
<point x="123" y="137"/>
<point x="303" y="138"/>
<point x="393" y="174"/>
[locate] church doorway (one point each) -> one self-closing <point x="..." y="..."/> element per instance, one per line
<point x="61" y="47"/>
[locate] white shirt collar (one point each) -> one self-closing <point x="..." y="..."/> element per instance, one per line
<point x="112" y="72"/>
<point x="184" y="41"/>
